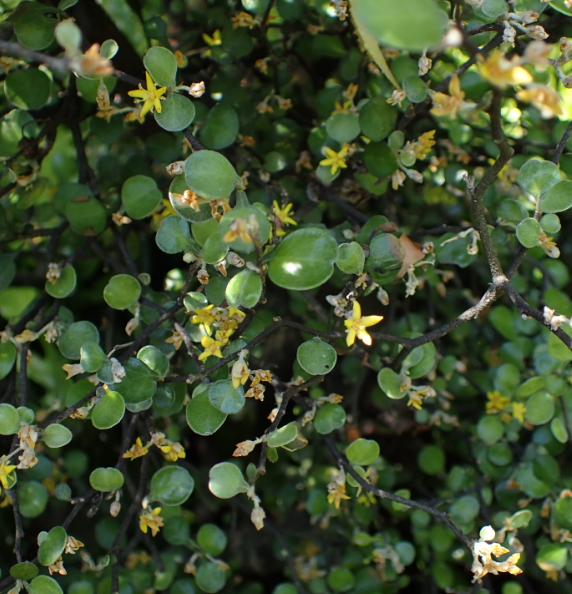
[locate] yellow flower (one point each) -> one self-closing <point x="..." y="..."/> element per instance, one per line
<point x="345" y="108"/>
<point x="173" y="451"/>
<point x="356" y="325"/>
<point x="496" y="402"/>
<point x="205" y="317"/>
<point x="502" y="72"/>
<point x="261" y="375"/>
<point x="444" y="104"/>
<point x="337" y="489"/>
<point x="212" y="348"/>
<point x="150" y="96"/>
<point x="243" y="19"/>
<point x="545" y="99"/>
<point x="241" y="229"/>
<point x="214" y="40"/>
<point x="282" y="217"/>
<point x="422" y="146"/>
<point x="518" y="410"/>
<point x="335" y="160"/>
<point x="6" y="477"/>
<point x="136" y="450"/>
<point x="151" y="520"/>
<point x="176" y="339"/>
<point x="239" y="373"/>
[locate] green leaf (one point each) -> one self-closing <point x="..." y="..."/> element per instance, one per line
<point x="177" y="113"/>
<point x="363" y="451"/>
<point x="24" y="571"/>
<point x="139" y="383"/>
<point x="44" y="584"/>
<point x="33" y="25"/>
<point x="537" y="176"/>
<point x="121" y="291"/>
<point x="226" y="480"/>
<point x="350" y="258"/>
<point x="550" y="223"/>
<point x="528" y="232"/>
<point x="140" y="196"/>
<point x="210" y="578"/>
<point x="328" y="418"/>
<point x="171" y="485"/>
<point x="202" y="417"/>
<point x="415" y="88"/>
<point x="9" y="419"/>
<point x="552" y="557"/>
<point x="161" y="65"/>
<point x="64" y="285"/>
<point x="431" y="459"/>
<point x="244" y="289"/>
<point x="52" y="546"/>
<point x="391" y="383"/>
<point x="540" y="408"/>
<point x="92" y="357"/>
<point x="211" y="539"/>
<point x="202" y="231"/>
<point x="343" y="127"/>
<point x="341" y="579"/>
<point x="33" y="498"/>
<point x="7" y="359"/>
<point x="75" y="337"/>
<point x="106" y="479"/>
<point x="385" y="253"/>
<point x="283" y="436"/>
<point x="220" y="128"/>
<point x="86" y="215"/>
<point x="529" y="483"/>
<point x="214" y="249"/>
<point x="155" y="359"/>
<point x="558" y="429"/>
<point x="409" y="24"/>
<point x="511" y="211"/>
<point x="108" y="411"/>
<point x="316" y="357"/>
<point x="465" y="509"/>
<point x="27" y="88"/>
<point x="210" y="175"/>
<point x="303" y="260"/>
<point x="174" y="235"/>
<point x="7" y="270"/>
<point x="377" y="119"/>
<point x="558" y="198"/>
<point x="109" y="47"/>
<point x="225" y="398"/>
<point x="520" y="519"/>
<point x="56" y="435"/>
<point x="379" y="159"/>
<point x="490" y="429"/>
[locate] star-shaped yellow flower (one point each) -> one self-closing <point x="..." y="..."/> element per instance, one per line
<point x="151" y="96"/>
<point x="356" y="325"/>
<point x="151" y="520"/>
<point x="335" y="160"/>
<point x="6" y="477"/>
<point x="282" y="216"/>
<point x="212" y="348"/>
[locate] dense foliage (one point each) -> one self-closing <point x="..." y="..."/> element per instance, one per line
<point x="283" y="288"/>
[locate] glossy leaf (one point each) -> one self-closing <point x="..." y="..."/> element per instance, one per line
<point x="303" y="260"/>
<point x="244" y="289"/>
<point x="108" y="411"/>
<point x="64" y="285"/>
<point x="140" y="196"/>
<point x="121" y="291"/>
<point x="171" y="485"/>
<point x="226" y="480"/>
<point x="106" y="479"/>
<point x="161" y="65"/>
<point x="316" y="357"/>
<point x="52" y="546"/>
<point x="210" y="175"/>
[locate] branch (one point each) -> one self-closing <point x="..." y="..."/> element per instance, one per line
<point x="342" y="461"/>
<point x="562" y="144"/>
<point x="19" y="51"/>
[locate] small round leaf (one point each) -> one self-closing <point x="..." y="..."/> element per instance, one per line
<point x="211" y="539"/>
<point x="316" y="357"/>
<point x="64" y="285"/>
<point x="329" y="417"/>
<point x="171" y="485"/>
<point x="210" y="578"/>
<point x="44" y="584"/>
<point x="363" y="451"/>
<point x="109" y="411"/>
<point x="528" y="232"/>
<point x="210" y="175"/>
<point x="75" y="337"/>
<point x="121" y="291"/>
<point x="244" y="289"/>
<point x="161" y="65"/>
<point x="140" y="196"/>
<point x="226" y="480"/>
<point x="177" y="113"/>
<point x="52" y="546"/>
<point x="220" y="128"/>
<point x="202" y="417"/>
<point x="106" y="479"/>
<point x="9" y="419"/>
<point x="56" y="435"/>
<point x="225" y="398"/>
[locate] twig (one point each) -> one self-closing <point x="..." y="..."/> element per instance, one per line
<point x="342" y="460"/>
<point x="562" y="144"/>
<point x="15" y="49"/>
<point x="19" y="533"/>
